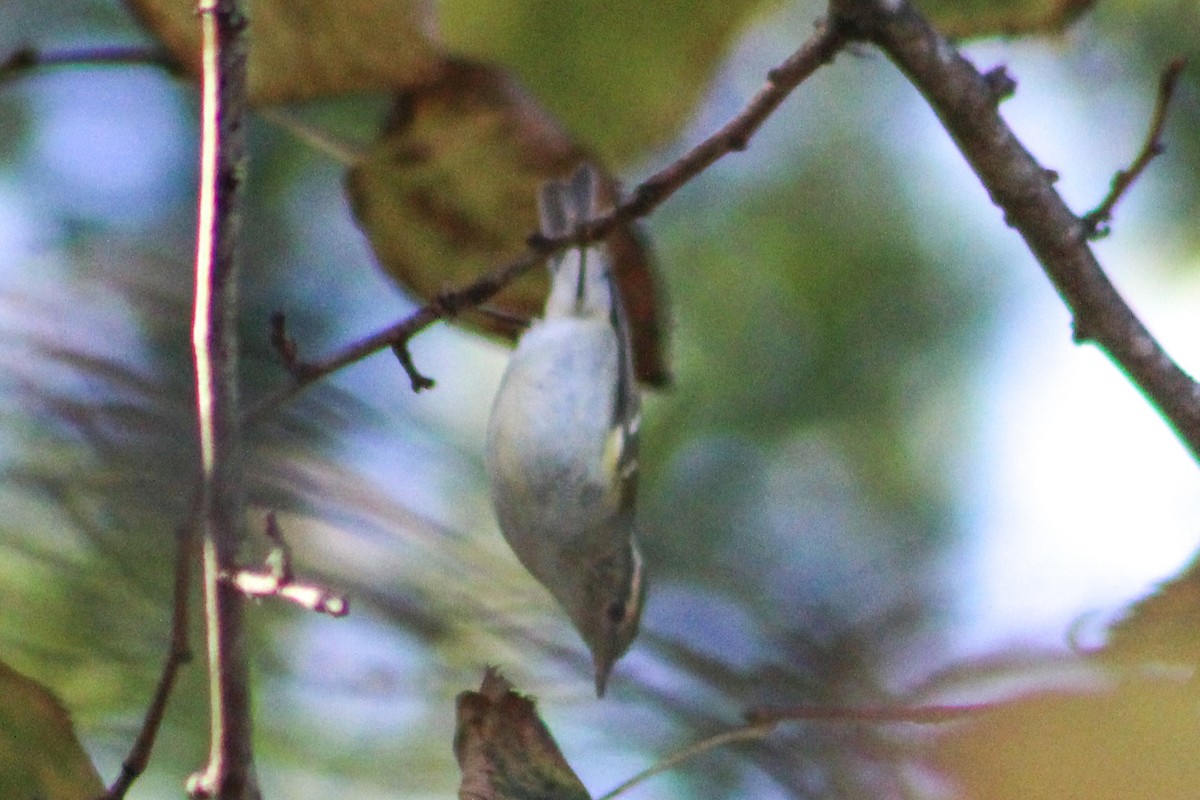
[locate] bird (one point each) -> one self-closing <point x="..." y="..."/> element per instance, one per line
<point x="562" y="439"/>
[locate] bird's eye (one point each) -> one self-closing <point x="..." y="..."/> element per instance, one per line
<point x="616" y="612"/>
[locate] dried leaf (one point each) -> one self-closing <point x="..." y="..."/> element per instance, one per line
<point x="39" y="754"/>
<point x="505" y="751"/>
<point x="1136" y="740"/>
<point x="1162" y="626"/>
<point x="303" y="49"/>
<point x="449" y="190"/>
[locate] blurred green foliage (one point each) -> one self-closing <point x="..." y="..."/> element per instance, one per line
<point x="555" y="49"/>
<point x="970" y="18"/>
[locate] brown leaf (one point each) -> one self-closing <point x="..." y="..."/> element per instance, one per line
<point x="1136" y="740"/>
<point x="505" y="751"/>
<point x="303" y="49"/>
<point x="39" y="754"/>
<point x="1162" y="626"/>
<point x="449" y="190"/>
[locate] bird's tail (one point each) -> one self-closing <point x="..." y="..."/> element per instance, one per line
<point x="562" y="205"/>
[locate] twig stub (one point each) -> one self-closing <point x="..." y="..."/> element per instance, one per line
<point x="277" y="579"/>
<point x="1000" y="83"/>
<point x="419" y="382"/>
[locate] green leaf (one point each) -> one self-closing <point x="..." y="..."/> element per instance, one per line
<point x="39" y="754"/>
<point x="622" y="74"/>
<point x="965" y="19"/>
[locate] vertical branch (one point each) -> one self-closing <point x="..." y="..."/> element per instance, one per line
<point x="229" y="774"/>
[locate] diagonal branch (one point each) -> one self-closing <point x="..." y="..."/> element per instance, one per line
<point x="734" y="136"/>
<point x="966" y="105"/>
<point x="178" y="654"/>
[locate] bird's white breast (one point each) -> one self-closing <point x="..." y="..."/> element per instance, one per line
<point x="548" y="431"/>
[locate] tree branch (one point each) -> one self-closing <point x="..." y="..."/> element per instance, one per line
<point x="962" y="99"/>
<point x="734" y="136"/>
<point x="229" y="773"/>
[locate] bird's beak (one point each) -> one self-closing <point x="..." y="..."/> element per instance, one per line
<point x="604" y="666"/>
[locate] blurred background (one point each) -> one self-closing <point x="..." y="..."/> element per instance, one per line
<point x="882" y="472"/>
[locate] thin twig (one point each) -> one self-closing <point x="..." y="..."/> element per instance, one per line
<point x="756" y="730"/>
<point x="961" y="98"/>
<point x="283" y="343"/>
<point x="26" y="59"/>
<point x="343" y="152"/>
<point x="916" y="715"/>
<point x="734" y="136"/>
<point x="178" y="654"/>
<point x="229" y="773"/>
<point x="1096" y="220"/>
<point x="761" y="722"/>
